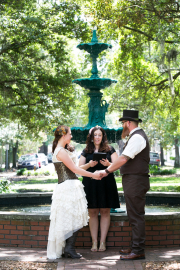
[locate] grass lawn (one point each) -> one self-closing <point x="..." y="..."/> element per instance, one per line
<point x="164" y="183"/>
<point x="41" y="184"/>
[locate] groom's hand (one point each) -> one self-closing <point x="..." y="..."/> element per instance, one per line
<point x="102" y="173"/>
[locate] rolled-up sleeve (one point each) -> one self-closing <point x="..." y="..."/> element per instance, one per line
<point x="135" y="145"/>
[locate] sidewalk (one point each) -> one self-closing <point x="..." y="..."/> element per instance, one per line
<point x="7" y="174"/>
<point x="91" y="260"/>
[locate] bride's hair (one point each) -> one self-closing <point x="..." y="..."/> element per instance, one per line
<point x="59" y="132"/>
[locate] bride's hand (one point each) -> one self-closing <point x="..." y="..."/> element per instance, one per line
<point x="97" y="175"/>
<point x="102" y="173"/>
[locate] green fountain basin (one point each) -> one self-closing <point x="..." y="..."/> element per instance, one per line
<point x="94" y="47"/>
<point x="80" y="134"/>
<point x="94" y="83"/>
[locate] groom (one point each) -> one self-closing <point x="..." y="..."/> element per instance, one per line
<point x="134" y="167"/>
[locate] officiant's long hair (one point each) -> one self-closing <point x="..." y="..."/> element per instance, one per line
<point x="104" y="146"/>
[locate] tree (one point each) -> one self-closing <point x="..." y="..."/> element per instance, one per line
<point x="36" y="75"/>
<point x="19" y="142"/>
<point x="146" y="61"/>
<point x="166" y="131"/>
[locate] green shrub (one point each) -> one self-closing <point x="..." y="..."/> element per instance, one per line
<point x="117" y="173"/>
<point x="40" y="173"/>
<point x="4" y="186"/>
<point x="2" y="169"/>
<point x="36" y="173"/>
<point x="29" y="173"/>
<point x="155" y="170"/>
<point x="46" y="173"/>
<point x="21" y="171"/>
<point x="167" y="172"/>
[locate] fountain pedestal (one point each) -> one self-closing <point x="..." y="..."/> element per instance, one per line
<point x="98" y="107"/>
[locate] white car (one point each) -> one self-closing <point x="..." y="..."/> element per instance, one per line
<point x="42" y="159"/>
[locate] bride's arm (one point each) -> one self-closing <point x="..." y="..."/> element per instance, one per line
<point x="64" y="157"/>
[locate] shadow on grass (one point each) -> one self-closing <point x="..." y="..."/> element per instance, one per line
<point x="165" y="188"/>
<point x="161" y="189"/>
<point x="21" y="190"/>
<point x="157" y="184"/>
<point x="36" y="181"/>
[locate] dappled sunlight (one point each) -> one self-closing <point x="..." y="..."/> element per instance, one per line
<point x="170" y="254"/>
<point x="156" y="259"/>
<point x="162" y="266"/>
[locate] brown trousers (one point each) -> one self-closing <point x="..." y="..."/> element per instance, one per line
<point x="135" y="189"/>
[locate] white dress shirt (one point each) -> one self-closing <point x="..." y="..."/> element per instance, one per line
<point x="135" y="145"/>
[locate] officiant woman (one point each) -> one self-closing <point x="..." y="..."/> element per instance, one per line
<point x="101" y="195"/>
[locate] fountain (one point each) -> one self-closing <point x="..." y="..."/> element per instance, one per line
<point x="97" y="106"/>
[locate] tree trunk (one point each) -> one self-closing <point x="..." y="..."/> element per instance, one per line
<point x="1" y="157"/>
<point x="176" y="144"/>
<point x="14" y="156"/>
<point x="43" y="148"/>
<point x="162" y="155"/>
<point x="6" y="160"/>
<point x="120" y="144"/>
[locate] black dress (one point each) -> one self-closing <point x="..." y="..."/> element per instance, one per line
<point x="100" y="193"/>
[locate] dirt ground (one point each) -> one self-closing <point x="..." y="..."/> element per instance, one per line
<point x="19" y="265"/>
<point x="171" y="265"/>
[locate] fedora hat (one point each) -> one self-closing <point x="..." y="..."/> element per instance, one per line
<point x="130" y="115"/>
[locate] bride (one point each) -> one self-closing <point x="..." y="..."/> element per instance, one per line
<point x="69" y="206"/>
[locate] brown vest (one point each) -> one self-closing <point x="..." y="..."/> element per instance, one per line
<point x="64" y="173"/>
<point x="140" y="163"/>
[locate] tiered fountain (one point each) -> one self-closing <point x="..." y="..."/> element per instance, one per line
<point x="97" y="106"/>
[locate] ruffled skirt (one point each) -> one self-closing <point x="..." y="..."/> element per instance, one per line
<point x="68" y="214"/>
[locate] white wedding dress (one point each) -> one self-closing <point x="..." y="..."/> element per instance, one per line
<point x="68" y="209"/>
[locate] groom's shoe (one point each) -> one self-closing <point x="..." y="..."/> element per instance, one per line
<point x="132" y="256"/>
<point x="125" y="251"/>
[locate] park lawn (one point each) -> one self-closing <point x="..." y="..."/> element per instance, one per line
<point x="43" y="184"/>
<point x="165" y="183"/>
<point x="46" y="184"/>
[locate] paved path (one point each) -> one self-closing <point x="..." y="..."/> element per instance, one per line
<point x="90" y="260"/>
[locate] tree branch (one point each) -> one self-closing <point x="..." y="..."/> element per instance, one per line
<point x="23" y="104"/>
<point x="148" y="36"/>
<point x="16" y="80"/>
<point x="162" y="82"/>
